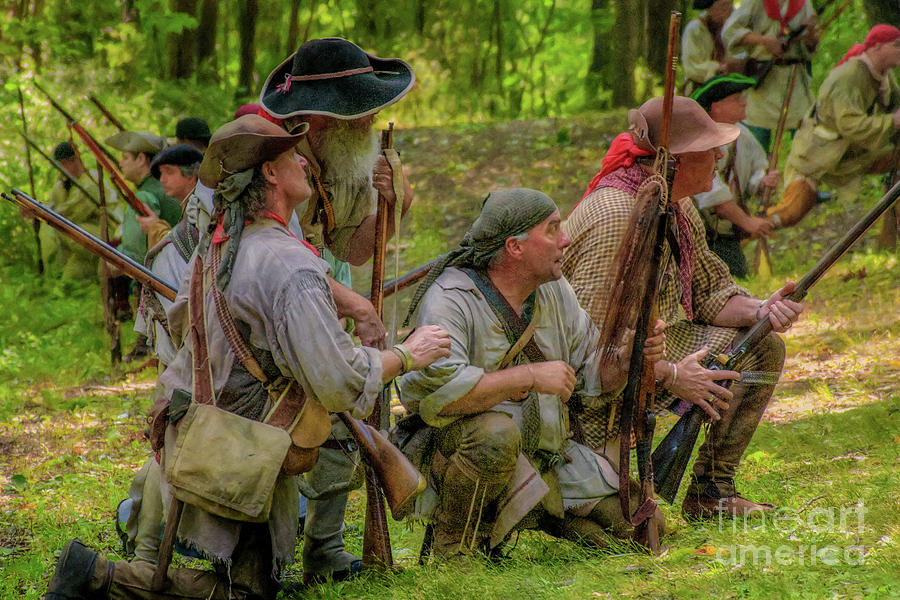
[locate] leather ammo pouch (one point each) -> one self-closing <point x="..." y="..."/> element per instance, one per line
<point x="222" y="462"/>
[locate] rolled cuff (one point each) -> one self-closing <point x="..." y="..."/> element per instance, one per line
<point x="461" y="384"/>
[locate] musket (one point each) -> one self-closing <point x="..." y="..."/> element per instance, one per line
<point x="103" y="156"/>
<point x="64" y="172"/>
<point x="834" y="16"/>
<point x="405" y="280"/>
<point x="673" y="453"/>
<point x="92" y="243"/>
<point x="376" y="537"/>
<point x="35" y="224"/>
<point x="762" y="246"/>
<point x="109" y="116"/>
<point x="638" y="396"/>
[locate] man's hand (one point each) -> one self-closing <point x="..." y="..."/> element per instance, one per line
<point x="782" y="312"/>
<point x="655" y="345"/>
<point x="697" y="384"/>
<point x="813" y="34"/>
<point x="758" y="227"/>
<point x="147" y="222"/>
<point x="774" y="45"/>
<point x="383" y="179"/>
<point x="554" y="377"/>
<point x="771" y="179"/>
<point x="427" y="344"/>
<point x="383" y="182"/>
<point x="368" y="327"/>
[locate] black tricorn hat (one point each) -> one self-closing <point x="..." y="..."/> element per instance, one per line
<point x="336" y="78"/>
<point x="180" y="155"/>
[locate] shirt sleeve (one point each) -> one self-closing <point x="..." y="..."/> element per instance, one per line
<point x="711" y="282"/>
<point x="429" y="390"/>
<point x="697" y="52"/>
<point x="737" y="26"/>
<point x="719" y="194"/>
<point x="852" y="118"/>
<point x="310" y="344"/>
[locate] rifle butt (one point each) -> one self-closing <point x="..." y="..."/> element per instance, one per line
<point x="400" y="481"/>
<point x="672" y="455"/>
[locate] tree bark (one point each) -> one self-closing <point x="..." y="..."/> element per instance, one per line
<point x="600" y="53"/>
<point x="656" y="33"/>
<point x="249" y="9"/>
<point x="625" y="38"/>
<point x="882" y="11"/>
<point x="181" y="45"/>
<point x="293" y="28"/>
<point x="206" y="35"/>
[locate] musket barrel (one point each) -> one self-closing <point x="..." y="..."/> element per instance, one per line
<point x="90" y="242"/>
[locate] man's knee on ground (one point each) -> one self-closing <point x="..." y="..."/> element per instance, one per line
<point x="771" y="353"/>
<point x="493" y="445"/>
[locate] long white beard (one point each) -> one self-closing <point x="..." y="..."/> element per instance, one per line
<point x="347" y="153"/>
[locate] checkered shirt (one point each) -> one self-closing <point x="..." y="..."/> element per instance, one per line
<point x="595" y="227"/>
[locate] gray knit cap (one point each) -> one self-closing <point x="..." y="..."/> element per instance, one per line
<point x="504" y="214"/>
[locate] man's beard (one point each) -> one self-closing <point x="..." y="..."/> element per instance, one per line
<point x="346" y="151"/>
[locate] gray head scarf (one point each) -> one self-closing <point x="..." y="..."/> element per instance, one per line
<point x="504" y="214"/>
<point x="227" y="200"/>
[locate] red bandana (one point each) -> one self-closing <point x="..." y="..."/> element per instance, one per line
<point x="773" y="9"/>
<point x="880" y="34"/>
<point x="620" y="171"/>
<point x="219" y="235"/>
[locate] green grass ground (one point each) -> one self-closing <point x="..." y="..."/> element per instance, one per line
<point x="826" y="453"/>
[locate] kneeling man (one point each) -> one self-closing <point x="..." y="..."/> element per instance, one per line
<point x="520" y="347"/>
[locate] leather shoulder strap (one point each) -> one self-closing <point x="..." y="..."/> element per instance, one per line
<point x="203" y="387"/>
<point x="512" y="323"/>
<point x="291" y="399"/>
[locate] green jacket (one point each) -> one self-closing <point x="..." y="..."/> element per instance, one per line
<point x="850" y="128"/>
<point x="151" y="193"/>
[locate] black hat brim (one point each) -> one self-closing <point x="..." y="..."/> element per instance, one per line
<point x="349" y="97"/>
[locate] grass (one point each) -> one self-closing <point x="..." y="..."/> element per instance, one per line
<point x="71" y="430"/>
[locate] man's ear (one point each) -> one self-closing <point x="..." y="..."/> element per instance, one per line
<point x="268" y="171"/>
<point x="513" y="247"/>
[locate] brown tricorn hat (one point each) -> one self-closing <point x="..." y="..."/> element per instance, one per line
<point x="241" y="144"/>
<point x="691" y="129"/>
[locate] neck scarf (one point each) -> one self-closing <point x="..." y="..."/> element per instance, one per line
<point x="622" y="173"/>
<point x="773" y="10"/>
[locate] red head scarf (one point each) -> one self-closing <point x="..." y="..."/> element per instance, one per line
<point x="622" y="153"/>
<point x="880" y="34"/>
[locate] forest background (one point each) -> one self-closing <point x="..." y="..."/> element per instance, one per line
<point x="510" y="92"/>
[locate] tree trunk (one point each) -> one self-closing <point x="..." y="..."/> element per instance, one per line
<point x="657" y="33"/>
<point x="420" y="17"/>
<point x="293" y="28"/>
<point x="625" y="38"/>
<point x="181" y="45"/>
<point x="249" y="9"/>
<point x="882" y="11"/>
<point x="206" y="35"/>
<point x="598" y="70"/>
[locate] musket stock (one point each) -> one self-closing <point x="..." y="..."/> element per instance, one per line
<point x="673" y="453"/>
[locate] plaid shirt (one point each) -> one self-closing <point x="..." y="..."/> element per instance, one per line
<point x="595" y="227"/>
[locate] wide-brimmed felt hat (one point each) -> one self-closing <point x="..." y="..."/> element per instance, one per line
<point x="181" y="155"/>
<point x="242" y="144"/>
<point x="336" y="78"/>
<point x="137" y="142"/>
<point x="691" y="128"/>
<point x="720" y="87"/>
<point x="192" y="128"/>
